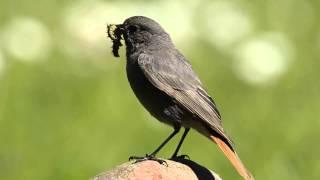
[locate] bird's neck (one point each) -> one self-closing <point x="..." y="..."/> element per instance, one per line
<point x="158" y="43"/>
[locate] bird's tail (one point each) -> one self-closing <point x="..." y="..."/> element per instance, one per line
<point x="233" y="158"/>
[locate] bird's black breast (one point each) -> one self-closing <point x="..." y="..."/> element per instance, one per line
<point x="158" y="103"/>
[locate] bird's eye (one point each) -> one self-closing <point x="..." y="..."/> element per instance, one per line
<point x="132" y="29"/>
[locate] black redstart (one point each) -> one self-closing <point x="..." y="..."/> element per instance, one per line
<point x="165" y="84"/>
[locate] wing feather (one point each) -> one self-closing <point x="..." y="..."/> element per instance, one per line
<point x="177" y="79"/>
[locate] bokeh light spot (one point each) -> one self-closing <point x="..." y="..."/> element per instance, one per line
<point x="263" y="59"/>
<point x="26" y="39"/>
<point x="85" y="25"/>
<point x="226" y="24"/>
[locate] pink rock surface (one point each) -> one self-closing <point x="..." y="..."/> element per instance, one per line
<point x="148" y="170"/>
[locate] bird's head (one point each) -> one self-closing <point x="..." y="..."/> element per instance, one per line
<point x="137" y="31"/>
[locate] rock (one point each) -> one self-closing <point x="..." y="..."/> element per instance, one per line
<point x="177" y="169"/>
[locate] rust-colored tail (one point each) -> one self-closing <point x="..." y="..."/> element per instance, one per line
<point x="233" y="158"/>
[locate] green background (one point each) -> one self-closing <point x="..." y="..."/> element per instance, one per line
<point x="73" y="115"/>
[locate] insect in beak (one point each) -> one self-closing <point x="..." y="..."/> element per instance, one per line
<point x="114" y="33"/>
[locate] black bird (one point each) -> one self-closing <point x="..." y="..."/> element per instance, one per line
<point x="165" y="84"/>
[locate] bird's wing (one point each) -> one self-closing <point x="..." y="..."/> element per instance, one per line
<point x="172" y="74"/>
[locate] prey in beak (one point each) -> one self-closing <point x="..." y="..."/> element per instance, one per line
<point x="114" y="33"/>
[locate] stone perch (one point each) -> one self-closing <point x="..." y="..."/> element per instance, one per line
<point x="175" y="169"/>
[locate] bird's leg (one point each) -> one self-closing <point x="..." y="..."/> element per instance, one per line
<point x="152" y="156"/>
<point x="176" y="130"/>
<point x="179" y="145"/>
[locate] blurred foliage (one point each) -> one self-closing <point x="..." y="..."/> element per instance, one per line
<point x="71" y="117"/>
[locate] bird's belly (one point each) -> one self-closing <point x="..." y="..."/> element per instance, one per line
<point x="158" y="103"/>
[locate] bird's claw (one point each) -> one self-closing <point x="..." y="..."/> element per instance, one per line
<point x="151" y="157"/>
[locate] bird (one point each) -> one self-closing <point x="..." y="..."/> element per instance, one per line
<point x="164" y="82"/>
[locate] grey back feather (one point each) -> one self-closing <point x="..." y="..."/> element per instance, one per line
<point x="171" y="73"/>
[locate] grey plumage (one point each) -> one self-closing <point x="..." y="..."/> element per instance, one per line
<point x="166" y="85"/>
<point x="158" y="62"/>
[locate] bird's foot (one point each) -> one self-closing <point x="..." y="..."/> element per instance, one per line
<point x="184" y="156"/>
<point x="151" y="157"/>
